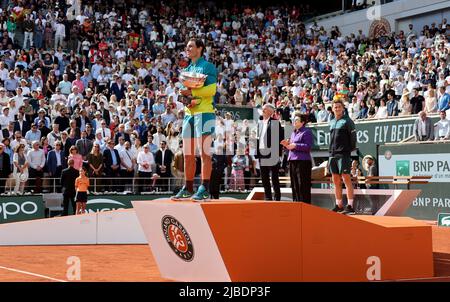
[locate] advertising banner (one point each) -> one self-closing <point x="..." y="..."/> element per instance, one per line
<point x="20" y="208"/>
<point x="412" y="159"/>
<point x="370" y="133"/>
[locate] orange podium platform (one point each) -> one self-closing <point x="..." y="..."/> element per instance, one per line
<point x="281" y="241"/>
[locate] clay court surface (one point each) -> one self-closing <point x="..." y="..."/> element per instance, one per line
<point x="126" y="263"/>
<point x="98" y="263"/>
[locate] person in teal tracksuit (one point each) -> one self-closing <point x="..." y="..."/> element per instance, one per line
<point x="198" y="123"/>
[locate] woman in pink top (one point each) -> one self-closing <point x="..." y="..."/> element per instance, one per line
<point x="77" y="158"/>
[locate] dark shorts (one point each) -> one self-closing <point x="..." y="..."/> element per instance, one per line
<point x="339" y="164"/>
<point x="81" y="197"/>
<point x="198" y="125"/>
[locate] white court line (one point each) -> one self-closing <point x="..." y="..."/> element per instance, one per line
<point x="31" y="274"/>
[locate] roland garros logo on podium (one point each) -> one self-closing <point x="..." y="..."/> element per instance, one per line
<point x="178" y="238"/>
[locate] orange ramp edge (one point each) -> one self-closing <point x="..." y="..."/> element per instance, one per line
<point x="279" y="241"/>
<point x="258" y="241"/>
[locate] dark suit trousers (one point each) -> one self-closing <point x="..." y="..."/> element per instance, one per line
<point x="68" y="198"/>
<point x="58" y="178"/>
<point x="3" y="183"/>
<point x="127" y="182"/>
<point x="266" y="173"/>
<point x="113" y="179"/>
<point x="214" y="183"/>
<point x="37" y="182"/>
<point x="300" y="173"/>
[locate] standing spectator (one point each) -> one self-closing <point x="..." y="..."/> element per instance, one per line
<point x="104" y="131"/>
<point x="84" y="145"/>
<point x="392" y="105"/>
<point x="28" y="27"/>
<point x="178" y="166"/>
<point x="442" y="127"/>
<point x="300" y="163"/>
<point x="163" y="160"/>
<point x="56" y="162"/>
<point x="423" y="128"/>
<point x="95" y="163"/>
<point x="118" y="88"/>
<point x="111" y="162"/>
<point x="405" y="104"/>
<point x="127" y="165"/>
<point x="237" y="172"/>
<point x="60" y="33"/>
<point x="68" y="177"/>
<point x="54" y="135"/>
<point x="145" y="161"/>
<point x="20" y="172"/>
<point x="444" y="100"/>
<point x="430" y="100"/>
<point x="5" y="167"/>
<point x="417" y="102"/>
<point x="36" y="161"/>
<point x="77" y="158"/>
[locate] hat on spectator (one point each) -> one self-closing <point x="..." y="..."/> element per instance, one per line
<point x="98" y="113"/>
<point x="41" y="110"/>
<point x="368" y="157"/>
<point x="4" y="108"/>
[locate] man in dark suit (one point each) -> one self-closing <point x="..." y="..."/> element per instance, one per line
<point x="111" y="161"/>
<point x="9" y="131"/>
<point x="121" y="133"/>
<point x="84" y="145"/>
<point x="68" y="177"/>
<point x="118" y="88"/>
<point x="104" y="112"/>
<point x="423" y="128"/>
<point x="5" y="168"/>
<point x="56" y="161"/>
<point x="21" y="124"/>
<point x="269" y="150"/>
<point x="82" y="120"/>
<point x="163" y="160"/>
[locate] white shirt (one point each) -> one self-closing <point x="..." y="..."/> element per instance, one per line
<point x="422" y="128"/>
<point x="4" y="120"/>
<point x="145" y="158"/>
<point x="262" y="143"/>
<point x="443" y="129"/>
<point x="52" y="139"/>
<point x="14" y="144"/>
<point x="126" y="157"/>
<point x="36" y="158"/>
<point x="382" y="112"/>
<point x="58" y="158"/>
<point x="106" y="132"/>
<point x="60" y="29"/>
<point x="119" y="148"/>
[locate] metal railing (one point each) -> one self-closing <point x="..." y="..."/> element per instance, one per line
<point x="127" y="185"/>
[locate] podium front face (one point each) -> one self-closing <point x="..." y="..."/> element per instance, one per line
<point x="281" y="241"/>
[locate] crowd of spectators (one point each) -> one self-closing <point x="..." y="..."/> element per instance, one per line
<point x="97" y="81"/>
